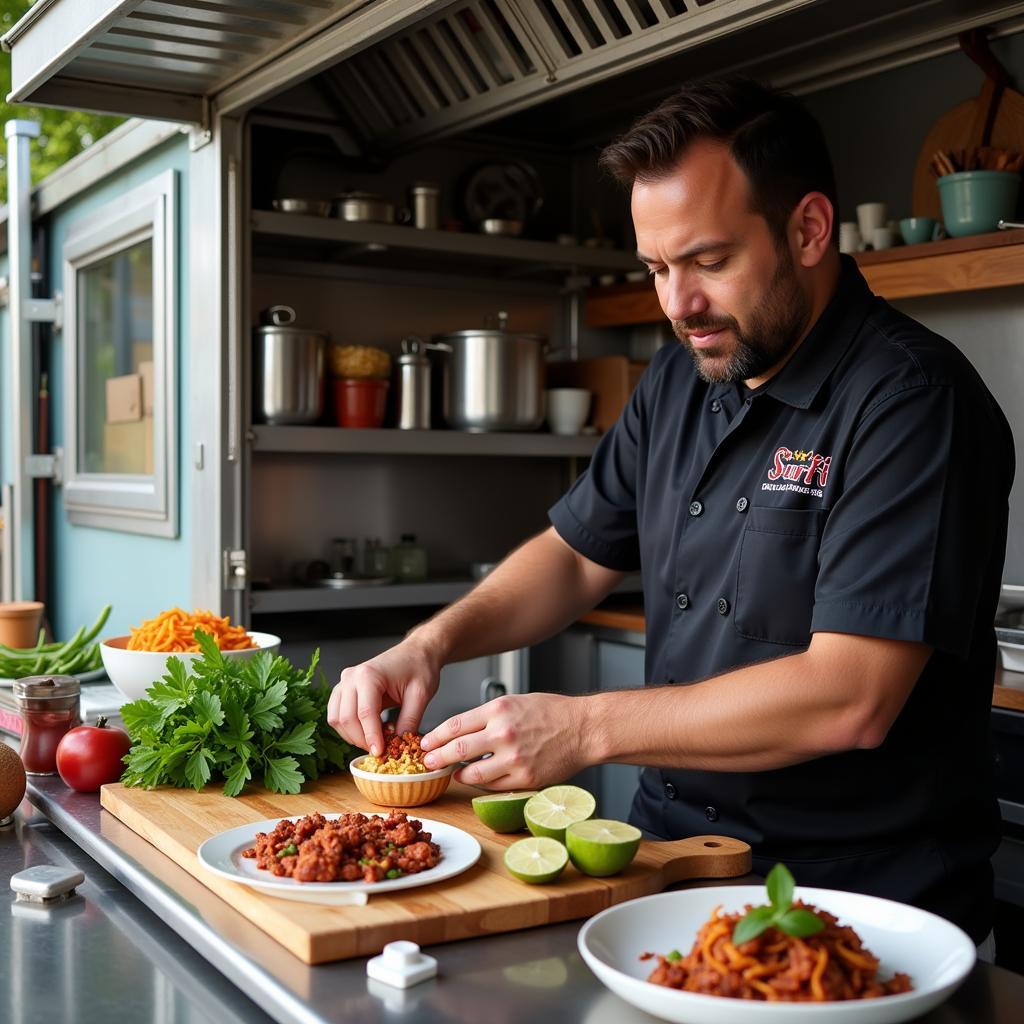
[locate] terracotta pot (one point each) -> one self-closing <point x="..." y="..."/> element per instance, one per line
<point x="19" y="623"/>
<point x="360" y="403"/>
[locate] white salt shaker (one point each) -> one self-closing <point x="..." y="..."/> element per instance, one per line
<point x="401" y="964"/>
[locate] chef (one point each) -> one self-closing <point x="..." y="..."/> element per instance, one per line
<point x="815" y="489"/>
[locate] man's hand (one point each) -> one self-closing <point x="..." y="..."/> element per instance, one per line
<point x="534" y="738"/>
<point x="406" y="675"/>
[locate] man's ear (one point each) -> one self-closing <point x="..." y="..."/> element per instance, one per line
<point x="811" y="226"/>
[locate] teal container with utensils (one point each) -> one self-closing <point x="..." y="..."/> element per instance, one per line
<point x="974" y="202"/>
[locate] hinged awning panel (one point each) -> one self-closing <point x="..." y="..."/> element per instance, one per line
<point x="153" y="58"/>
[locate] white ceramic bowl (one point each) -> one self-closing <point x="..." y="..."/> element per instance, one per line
<point x="133" y="672"/>
<point x="936" y="954"/>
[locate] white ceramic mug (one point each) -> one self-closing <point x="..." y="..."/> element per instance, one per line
<point x="883" y="238"/>
<point x="871" y="216"/>
<point x="567" y="410"/>
<point x="849" y="237"/>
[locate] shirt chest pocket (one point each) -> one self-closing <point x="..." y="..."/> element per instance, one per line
<point x="776" y="574"/>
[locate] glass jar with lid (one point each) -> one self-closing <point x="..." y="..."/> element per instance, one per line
<point x="49" y="706"/>
<point x="409" y="560"/>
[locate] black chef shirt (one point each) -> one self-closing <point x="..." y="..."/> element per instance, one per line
<point x="862" y="490"/>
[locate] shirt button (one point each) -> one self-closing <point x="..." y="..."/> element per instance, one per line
<point x="682" y="602"/>
<point x="670" y="791"/>
<point x="711" y="813"/>
<point x="741" y="504"/>
<point x="696" y="508"/>
<point x="716" y="406"/>
<point x="723" y="606"/>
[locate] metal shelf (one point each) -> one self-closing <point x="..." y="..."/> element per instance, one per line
<point x="342" y="441"/>
<point x="393" y="595"/>
<point x="369" y="240"/>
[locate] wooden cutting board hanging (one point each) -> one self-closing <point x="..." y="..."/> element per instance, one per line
<point x="995" y="117"/>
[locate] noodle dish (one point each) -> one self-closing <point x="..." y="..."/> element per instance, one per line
<point x="678" y="955"/>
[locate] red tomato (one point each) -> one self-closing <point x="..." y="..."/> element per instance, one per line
<point x="90" y="755"/>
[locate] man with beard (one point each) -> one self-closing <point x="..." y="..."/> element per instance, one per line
<point x="815" y="489"/>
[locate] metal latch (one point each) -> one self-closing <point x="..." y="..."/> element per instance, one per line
<point x="46" y="467"/>
<point x="201" y="134"/>
<point x="46" y="311"/>
<point x="236" y="570"/>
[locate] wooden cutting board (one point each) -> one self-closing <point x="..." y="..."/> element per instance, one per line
<point x="483" y="900"/>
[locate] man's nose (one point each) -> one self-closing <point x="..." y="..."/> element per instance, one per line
<point x="682" y="297"/>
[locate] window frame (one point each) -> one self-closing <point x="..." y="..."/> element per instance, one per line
<point x="127" y="502"/>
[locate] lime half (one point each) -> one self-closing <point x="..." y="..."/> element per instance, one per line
<point x="601" y="847"/>
<point x="502" y="812"/>
<point x="536" y="860"/>
<point x="552" y="810"/>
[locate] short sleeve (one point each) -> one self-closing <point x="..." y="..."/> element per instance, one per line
<point x="908" y="546"/>
<point x="598" y="515"/>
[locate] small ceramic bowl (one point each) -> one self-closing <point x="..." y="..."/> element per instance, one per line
<point x="400" y="790"/>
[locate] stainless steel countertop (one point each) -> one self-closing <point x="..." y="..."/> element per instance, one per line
<point x="191" y="958"/>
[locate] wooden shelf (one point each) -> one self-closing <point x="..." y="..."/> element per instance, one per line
<point x="992" y="260"/>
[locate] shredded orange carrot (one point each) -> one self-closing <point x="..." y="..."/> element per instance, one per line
<point x="172" y="631"/>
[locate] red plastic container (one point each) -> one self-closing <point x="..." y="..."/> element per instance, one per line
<point x="360" y="403"/>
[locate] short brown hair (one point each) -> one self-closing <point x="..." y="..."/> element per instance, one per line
<point x="775" y="140"/>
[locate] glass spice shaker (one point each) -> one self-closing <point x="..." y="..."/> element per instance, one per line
<point x="49" y="707"/>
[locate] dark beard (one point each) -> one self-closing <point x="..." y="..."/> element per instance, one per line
<point x="775" y="328"/>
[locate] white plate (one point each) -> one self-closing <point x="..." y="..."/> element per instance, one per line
<point x="222" y="854"/>
<point x="936" y="954"/>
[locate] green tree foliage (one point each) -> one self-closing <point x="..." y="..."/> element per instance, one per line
<point x="63" y="134"/>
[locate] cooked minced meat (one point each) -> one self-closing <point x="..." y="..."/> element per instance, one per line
<point x="346" y="849"/>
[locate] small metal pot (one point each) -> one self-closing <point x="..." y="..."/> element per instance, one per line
<point x="495" y="378"/>
<point x="314" y="207"/>
<point x="288" y="370"/>
<point x="364" y="207"/>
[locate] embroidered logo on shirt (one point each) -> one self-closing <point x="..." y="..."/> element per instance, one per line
<point x="798" y="471"/>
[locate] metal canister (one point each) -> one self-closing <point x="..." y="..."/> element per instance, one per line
<point x="288" y="370"/>
<point x="413" y="386"/>
<point x="426" y="205"/>
<point x="49" y="706"/>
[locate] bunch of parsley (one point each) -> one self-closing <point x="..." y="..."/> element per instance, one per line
<point x="233" y="718"/>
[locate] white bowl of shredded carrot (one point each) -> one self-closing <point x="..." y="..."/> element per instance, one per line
<point x="136" y="661"/>
<point x="685" y="929"/>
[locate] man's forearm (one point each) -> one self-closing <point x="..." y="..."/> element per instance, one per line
<point x="537" y="591"/>
<point x="841" y="694"/>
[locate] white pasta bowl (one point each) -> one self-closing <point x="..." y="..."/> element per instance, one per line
<point x="936" y="954"/>
<point x="134" y="672"/>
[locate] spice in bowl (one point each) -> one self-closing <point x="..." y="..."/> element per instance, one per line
<point x="399" y="778"/>
<point x="402" y="755"/>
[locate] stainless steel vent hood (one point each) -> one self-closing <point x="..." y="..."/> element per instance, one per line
<point x="404" y="71"/>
